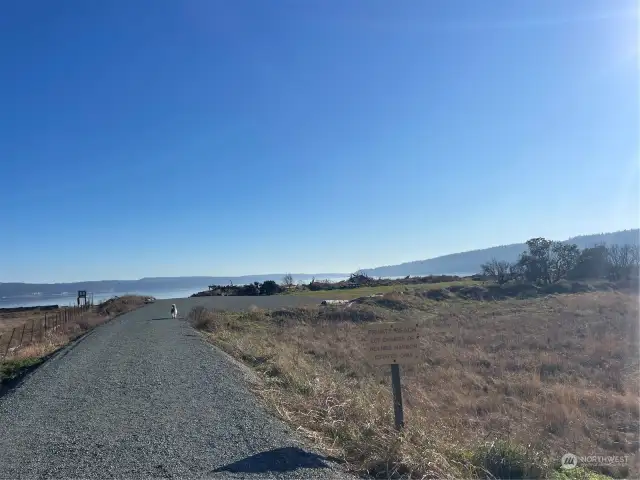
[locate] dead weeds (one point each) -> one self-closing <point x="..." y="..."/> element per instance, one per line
<point x="33" y="341"/>
<point x="506" y="387"/>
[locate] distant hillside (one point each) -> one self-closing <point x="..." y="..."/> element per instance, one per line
<point x="154" y="284"/>
<point x="469" y="262"/>
<point x="457" y="263"/>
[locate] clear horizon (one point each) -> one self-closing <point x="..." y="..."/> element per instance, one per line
<point x="149" y="139"/>
<point x="309" y="274"/>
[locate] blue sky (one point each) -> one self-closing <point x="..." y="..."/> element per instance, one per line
<point x="200" y="137"/>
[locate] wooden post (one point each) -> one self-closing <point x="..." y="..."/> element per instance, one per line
<point x="24" y="325"/>
<point x="33" y="324"/>
<point x="397" y="396"/>
<point x="9" y="344"/>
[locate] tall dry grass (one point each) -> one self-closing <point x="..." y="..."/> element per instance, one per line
<point x="505" y="390"/>
<point x="47" y="341"/>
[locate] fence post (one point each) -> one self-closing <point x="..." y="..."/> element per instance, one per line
<point x="9" y="344"/>
<point x="397" y="396"/>
<point x="24" y="325"/>
<point x="33" y="323"/>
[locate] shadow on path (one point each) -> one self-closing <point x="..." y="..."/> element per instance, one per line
<point x="278" y="460"/>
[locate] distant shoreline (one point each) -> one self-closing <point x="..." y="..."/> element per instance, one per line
<point x="71" y="299"/>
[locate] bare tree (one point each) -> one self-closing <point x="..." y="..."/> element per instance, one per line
<point x="287" y="281"/>
<point x="498" y="270"/>
<point x="622" y="260"/>
<point x="516" y="272"/>
<point x="635" y="255"/>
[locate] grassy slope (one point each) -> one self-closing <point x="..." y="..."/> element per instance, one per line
<point x="506" y="389"/>
<point x="28" y="355"/>
<point x="348" y="294"/>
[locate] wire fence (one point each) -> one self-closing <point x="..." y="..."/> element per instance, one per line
<point x="35" y="330"/>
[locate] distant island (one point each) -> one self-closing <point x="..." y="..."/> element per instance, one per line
<point x="454" y="264"/>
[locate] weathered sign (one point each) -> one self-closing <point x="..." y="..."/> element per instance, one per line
<point x="82" y="294"/>
<point x="393" y="343"/>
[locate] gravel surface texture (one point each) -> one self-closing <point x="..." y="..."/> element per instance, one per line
<point x="144" y="396"/>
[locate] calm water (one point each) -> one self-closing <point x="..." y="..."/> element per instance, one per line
<point x="34" y="300"/>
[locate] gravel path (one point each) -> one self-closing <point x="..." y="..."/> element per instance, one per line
<point x="144" y="396"/>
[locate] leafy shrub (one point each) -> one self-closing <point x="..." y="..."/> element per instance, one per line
<point x="270" y="287"/>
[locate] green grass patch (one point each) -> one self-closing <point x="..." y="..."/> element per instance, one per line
<point x="502" y="459"/>
<point x="12" y="369"/>
<point x="349" y="294"/>
<point x="578" y="473"/>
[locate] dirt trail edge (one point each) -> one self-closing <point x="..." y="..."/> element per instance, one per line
<point x="144" y="396"/>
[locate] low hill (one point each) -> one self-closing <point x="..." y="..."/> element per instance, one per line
<point x="469" y="262"/>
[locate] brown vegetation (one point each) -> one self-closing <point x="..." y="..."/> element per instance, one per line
<point x="28" y="336"/>
<point x="119" y="305"/>
<point x="506" y="388"/>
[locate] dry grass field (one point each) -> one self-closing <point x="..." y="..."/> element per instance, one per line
<point x="30" y="340"/>
<point x="506" y="387"/>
